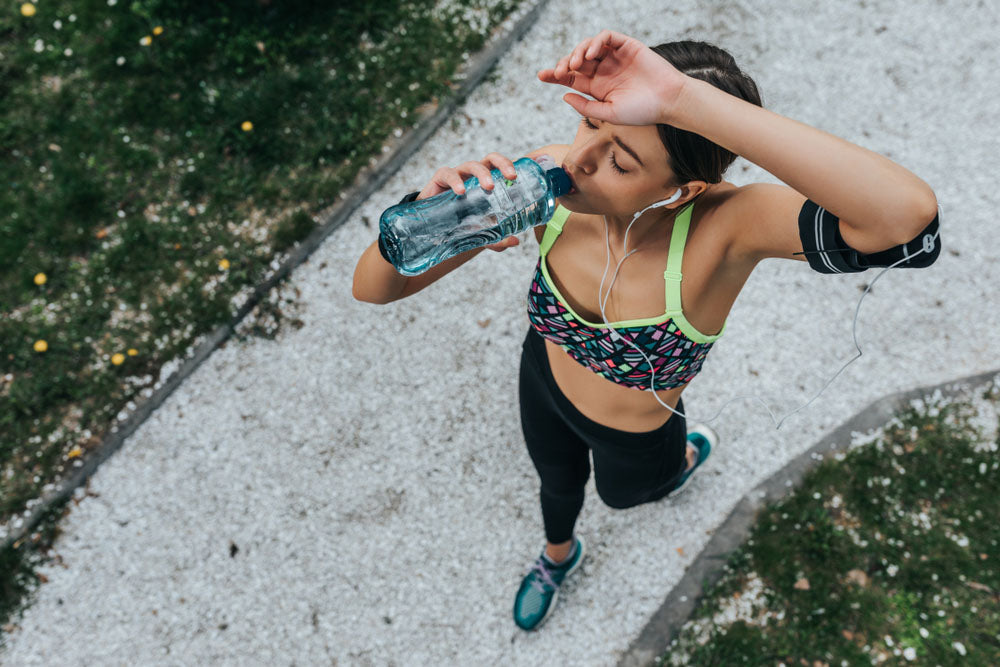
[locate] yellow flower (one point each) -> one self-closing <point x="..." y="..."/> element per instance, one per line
<point x="247" y="126"/>
<point x="118" y="359"/>
<point x="74" y="453"/>
<point x="40" y="278"/>
<point x="158" y="30"/>
<point x="146" y="41"/>
<point x="27" y="9"/>
<point x="41" y="346"/>
<point x="132" y="352"/>
<point x="224" y="264"/>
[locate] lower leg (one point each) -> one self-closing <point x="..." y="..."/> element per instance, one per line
<point x="558" y="552"/>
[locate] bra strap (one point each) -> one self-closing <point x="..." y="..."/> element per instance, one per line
<point x="553" y="228"/>
<point x="673" y="276"/>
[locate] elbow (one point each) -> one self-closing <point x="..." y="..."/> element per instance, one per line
<point x="364" y="298"/>
<point x="367" y="298"/>
<point x="920" y="214"/>
<point x="925" y="209"/>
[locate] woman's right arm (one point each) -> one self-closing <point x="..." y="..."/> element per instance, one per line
<point x="378" y="281"/>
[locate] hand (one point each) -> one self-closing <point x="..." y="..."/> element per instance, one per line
<point x="632" y="84"/>
<point x="446" y="177"/>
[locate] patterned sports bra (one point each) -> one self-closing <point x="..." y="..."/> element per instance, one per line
<point x="676" y="348"/>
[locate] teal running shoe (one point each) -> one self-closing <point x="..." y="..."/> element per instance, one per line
<point x="703" y="438"/>
<point x="536" y="598"/>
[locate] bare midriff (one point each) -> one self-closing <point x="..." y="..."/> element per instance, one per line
<point x="605" y="402"/>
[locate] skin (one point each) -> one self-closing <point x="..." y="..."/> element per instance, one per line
<point x="603" y="190"/>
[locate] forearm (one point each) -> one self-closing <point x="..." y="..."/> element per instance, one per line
<point x="861" y="187"/>
<point x="376" y="280"/>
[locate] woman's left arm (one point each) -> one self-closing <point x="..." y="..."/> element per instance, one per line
<point x="867" y="191"/>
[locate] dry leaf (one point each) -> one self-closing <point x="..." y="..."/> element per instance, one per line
<point x="979" y="587"/>
<point x="802" y="584"/>
<point x="484" y="323"/>
<point x="101" y="233"/>
<point x="848" y="635"/>
<point x="680" y="550"/>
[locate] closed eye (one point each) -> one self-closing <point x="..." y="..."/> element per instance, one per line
<point x="614" y="165"/>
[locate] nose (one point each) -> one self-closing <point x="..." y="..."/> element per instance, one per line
<point x="575" y="170"/>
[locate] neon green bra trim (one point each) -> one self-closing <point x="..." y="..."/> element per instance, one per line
<point x="672" y="279"/>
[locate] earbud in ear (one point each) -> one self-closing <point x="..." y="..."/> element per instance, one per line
<point x="674" y="197"/>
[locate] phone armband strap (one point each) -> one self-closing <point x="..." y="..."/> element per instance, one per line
<point x="827" y="252"/>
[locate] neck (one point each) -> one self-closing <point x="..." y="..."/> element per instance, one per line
<point x="653" y="223"/>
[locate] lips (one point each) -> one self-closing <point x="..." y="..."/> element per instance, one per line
<point x="573" y="189"/>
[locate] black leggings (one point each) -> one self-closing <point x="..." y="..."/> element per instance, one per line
<point x="629" y="468"/>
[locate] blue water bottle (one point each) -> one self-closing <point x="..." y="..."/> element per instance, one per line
<point x="419" y="234"/>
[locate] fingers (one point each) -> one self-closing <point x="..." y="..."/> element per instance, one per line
<point x="480" y="171"/>
<point x="592" y="50"/>
<point x="446" y="177"/>
<point x="590" y="108"/>
<point x="454" y="178"/>
<point x="562" y="68"/>
<point x="502" y="163"/>
<point x="508" y="242"/>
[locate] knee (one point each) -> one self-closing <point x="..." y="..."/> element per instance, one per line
<point x="617" y="501"/>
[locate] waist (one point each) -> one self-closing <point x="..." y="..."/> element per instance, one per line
<point x="601" y="399"/>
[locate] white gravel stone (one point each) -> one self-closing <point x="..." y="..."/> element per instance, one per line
<point x="357" y="491"/>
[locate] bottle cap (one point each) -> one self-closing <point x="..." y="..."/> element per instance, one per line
<point x="556" y="175"/>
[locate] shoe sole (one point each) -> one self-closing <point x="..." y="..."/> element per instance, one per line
<point x="713" y="441"/>
<point x="555" y="594"/>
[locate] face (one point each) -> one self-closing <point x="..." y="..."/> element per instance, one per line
<point x="615" y="181"/>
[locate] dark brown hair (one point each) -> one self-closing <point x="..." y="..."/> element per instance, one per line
<point x="691" y="156"/>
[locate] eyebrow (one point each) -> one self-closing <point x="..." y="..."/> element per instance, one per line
<point x="627" y="149"/>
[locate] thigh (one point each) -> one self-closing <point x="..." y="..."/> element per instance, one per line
<point x="634" y="468"/>
<point x="561" y="457"/>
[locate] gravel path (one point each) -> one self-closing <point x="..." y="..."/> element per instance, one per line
<point x="357" y="491"/>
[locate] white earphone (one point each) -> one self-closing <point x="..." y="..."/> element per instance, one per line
<point x="615" y="335"/>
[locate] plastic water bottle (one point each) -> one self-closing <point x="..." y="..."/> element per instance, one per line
<point x="419" y="234"/>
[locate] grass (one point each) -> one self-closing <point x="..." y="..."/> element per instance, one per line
<point x="159" y="159"/>
<point x="887" y="555"/>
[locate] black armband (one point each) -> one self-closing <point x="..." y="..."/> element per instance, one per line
<point x="381" y="244"/>
<point x="410" y="197"/>
<point x="827" y="252"/>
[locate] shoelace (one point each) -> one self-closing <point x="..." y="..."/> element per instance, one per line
<point x="541" y="567"/>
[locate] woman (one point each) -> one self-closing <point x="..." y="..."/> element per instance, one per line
<point x="647" y="164"/>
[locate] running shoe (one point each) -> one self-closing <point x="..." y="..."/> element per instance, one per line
<point x="703" y="438"/>
<point x="536" y="598"/>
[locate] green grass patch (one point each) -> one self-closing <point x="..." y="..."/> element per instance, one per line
<point x="887" y="555"/>
<point x="157" y="158"/>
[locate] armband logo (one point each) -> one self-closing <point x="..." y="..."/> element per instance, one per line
<point x="928" y="243"/>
